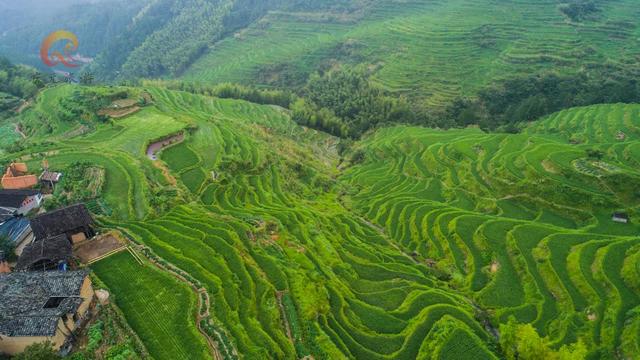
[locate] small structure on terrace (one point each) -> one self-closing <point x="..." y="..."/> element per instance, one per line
<point x="621" y="217"/>
<point x="42" y="306"/>
<point x="46" y="255"/>
<point x="75" y="222"/>
<point x="17" y="177"/>
<point x="49" y="179"/>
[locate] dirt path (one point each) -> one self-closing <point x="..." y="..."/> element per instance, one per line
<point x="19" y="131"/>
<point x="23" y="106"/>
<point x="165" y="172"/>
<point x="279" y="295"/>
<point x="154" y="148"/>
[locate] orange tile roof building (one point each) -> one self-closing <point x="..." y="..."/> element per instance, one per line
<point x="17" y="177"/>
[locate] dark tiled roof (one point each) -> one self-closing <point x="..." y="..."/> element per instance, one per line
<point x="14" y="198"/>
<point x="24" y="294"/>
<point x="51" y="250"/>
<point x="60" y="221"/>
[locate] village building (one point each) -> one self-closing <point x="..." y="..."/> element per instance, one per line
<point x="42" y="306"/>
<point x="620" y="217"/>
<point x="46" y="255"/>
<point x="22" y="201"/>
<point x="49" y="179"/>
<point x="16" y="228"/>
<point x="75" y="222"/>
<point x="17" y="177"/>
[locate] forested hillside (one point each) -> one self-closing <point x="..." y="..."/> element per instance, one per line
<point x="96" y="23"/>
<point x="528" y="55"/>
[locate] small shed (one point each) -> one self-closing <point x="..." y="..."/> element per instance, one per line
<point x="75" y="222"/>
<point x="45" y="255"/>
<point x="49" y="179"/>
<point x="621" y="217"/>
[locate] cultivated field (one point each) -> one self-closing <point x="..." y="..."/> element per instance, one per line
<point x="418" y="250"/>
<point x="160" y="309"/>
<point x="411" y="44"/>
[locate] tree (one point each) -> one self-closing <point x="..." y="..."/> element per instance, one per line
<point x="39" y="351"/>
<point x="8" y="247"/>
<point x="86" y="78"/>
<point x="522" y="342"/>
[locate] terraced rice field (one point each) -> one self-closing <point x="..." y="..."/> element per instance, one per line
<point x="397" y="257"/>
<point x="412" y="43"/>
<point x="526" y="233"/>
<point x="156" y="305"/>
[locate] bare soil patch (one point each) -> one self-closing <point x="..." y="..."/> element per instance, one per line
<point x="119" y="113"/>
<point x="99" y="246"/>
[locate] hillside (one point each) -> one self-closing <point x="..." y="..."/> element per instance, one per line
<point x="416" y="243"/>
<point x="409" y="45"/>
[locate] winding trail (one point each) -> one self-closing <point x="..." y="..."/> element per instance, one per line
<point x="154" y="148"/>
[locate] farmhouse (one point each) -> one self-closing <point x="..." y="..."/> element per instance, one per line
<point x="46" y="255"/>
<point x="620" y="217"/>
<point x="22" y="201"/>
<point x="41" y="306"/>
<point x="49" y="179"/>
<point x="74" y="222"/>
<point x="17" y="177"/>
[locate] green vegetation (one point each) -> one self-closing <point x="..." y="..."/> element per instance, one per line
<point x="157" y="307"/>
<point x="39" y="351"/>
<point x="7" y="247"/>
<point x="432" y="51"/>
<point x="410" y="243"/>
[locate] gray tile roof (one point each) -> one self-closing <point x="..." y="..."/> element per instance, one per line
<point x="24" y="294"/>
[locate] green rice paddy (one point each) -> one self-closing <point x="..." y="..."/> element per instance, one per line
<point x="397" y="257"/>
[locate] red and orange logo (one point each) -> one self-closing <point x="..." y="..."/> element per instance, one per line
<point x="56" y="57"/>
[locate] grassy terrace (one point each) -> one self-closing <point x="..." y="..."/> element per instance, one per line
<point x="156" y="305"/>
<point x="413" y="42"/>
<point x="525" y="230"/>
<point x="397" y="257"/>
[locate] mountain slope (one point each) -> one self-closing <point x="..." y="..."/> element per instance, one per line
<point x="416" y="244"/>
<point x="429" y="50"/>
